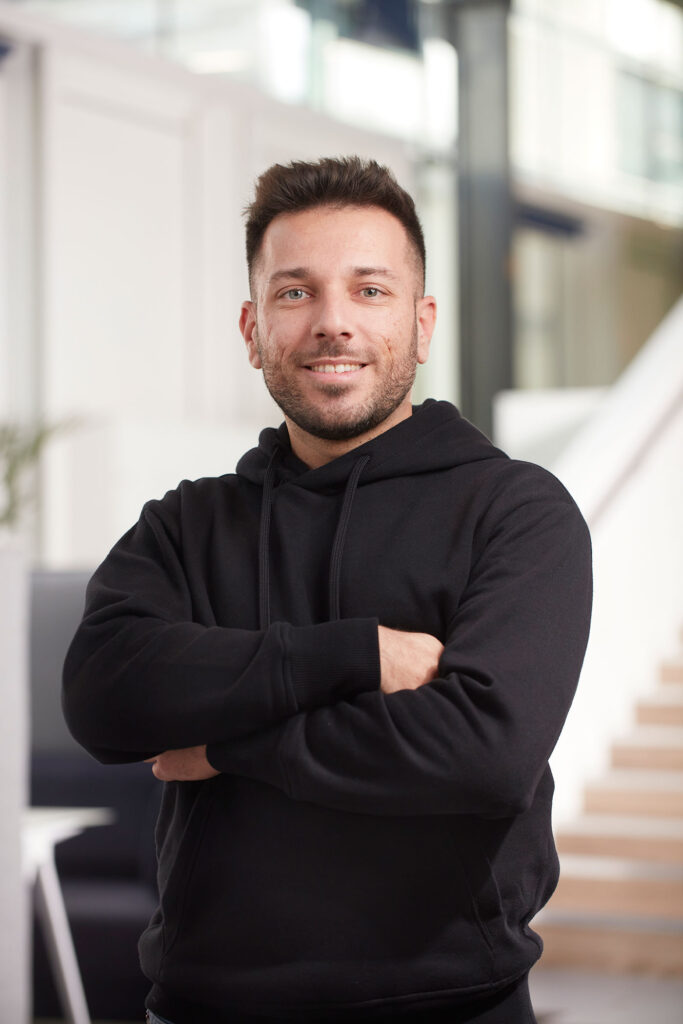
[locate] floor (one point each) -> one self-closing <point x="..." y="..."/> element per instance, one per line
<point x="578" y="997"/>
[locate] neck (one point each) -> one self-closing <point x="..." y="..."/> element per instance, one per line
<point x="317" y="451"/>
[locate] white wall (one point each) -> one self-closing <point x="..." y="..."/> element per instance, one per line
<point x="14" y="902"/>
<point x="110" y="467"/>
<point x="142" y="172"/>
<point x="18" y="270"/>
<point x="16" y="399"/>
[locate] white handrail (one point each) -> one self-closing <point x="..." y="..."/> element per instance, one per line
<point x="608" y="449"/>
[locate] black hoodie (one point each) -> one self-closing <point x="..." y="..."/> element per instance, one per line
<point x="360" y="852"/>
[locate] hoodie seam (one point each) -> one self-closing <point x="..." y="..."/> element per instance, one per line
<point x="288" y="675"/>
<point x="283" y="764"/>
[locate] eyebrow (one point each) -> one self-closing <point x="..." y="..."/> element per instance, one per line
<point x="302" y="272"/>
<point x="285" y="275"/>
<point x="374" y="272"/>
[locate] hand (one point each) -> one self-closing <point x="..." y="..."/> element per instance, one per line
<point x="407" y="660"/>
<point x="186" y="765"/>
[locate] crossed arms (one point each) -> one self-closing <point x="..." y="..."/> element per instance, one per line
<point x="348" y="714"/>
<point x="407" y="661"/>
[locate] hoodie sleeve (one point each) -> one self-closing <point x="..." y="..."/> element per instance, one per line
<point x="477" y="739"/>
<point x="141" y="676"/>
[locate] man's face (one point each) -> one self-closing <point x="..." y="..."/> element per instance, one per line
<point x="337" y="324"/>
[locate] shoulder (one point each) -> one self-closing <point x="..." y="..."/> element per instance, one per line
<point x="525" y="481"/>
<point x="192" y="500"/>
<point x="522" y="498"/>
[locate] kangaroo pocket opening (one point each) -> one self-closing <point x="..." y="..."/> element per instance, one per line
<point x="326" y="904"/>
<point x="180" y="834"/>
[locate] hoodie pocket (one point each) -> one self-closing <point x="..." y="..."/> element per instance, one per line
<point x="179" y="853"/>
<point x="482" y="887"/>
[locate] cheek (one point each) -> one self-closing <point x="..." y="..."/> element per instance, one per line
<point x="396" y="336"/>
<point x="388" y="343"/>
<point x="272" y="345"/>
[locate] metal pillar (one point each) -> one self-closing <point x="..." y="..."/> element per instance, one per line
<point x="479" y="31"/>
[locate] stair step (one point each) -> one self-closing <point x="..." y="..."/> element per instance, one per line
<point x="650" y="746"/>
<point x="658" y="840"/>
<point x="663" y="707"/>
<point x="671" y="671"/>
<point x="672" y="692"/>
<point x="631" y="945"/>
<point x="631" y="791"/>
<point x="619" y="887"/>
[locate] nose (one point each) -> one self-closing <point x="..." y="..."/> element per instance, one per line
<point x="333" y="317"/>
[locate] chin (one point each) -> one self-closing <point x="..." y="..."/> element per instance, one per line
<point x="338" y="427"/>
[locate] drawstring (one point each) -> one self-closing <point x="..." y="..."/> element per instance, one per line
<point x="263" y="543"/>
<point x="337" y="545"/>
<point x="340" y="536"/>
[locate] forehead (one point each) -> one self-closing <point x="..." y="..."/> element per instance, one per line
<point x="327" y="238"/>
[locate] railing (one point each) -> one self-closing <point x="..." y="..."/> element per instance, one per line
<point x="641" y="407"/>
<point x="625" y="470"/>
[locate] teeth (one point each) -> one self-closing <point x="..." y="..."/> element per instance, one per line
<point x="335" y="367"/>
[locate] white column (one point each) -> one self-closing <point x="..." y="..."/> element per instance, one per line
<point x="14" y="906"/>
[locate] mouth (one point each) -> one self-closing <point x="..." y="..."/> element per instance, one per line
<point x="335" y="368"/>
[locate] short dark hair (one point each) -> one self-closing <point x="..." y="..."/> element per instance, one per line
<point x="331" y="181"/>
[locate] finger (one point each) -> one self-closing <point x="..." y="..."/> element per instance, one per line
<point x="161" y="772"/>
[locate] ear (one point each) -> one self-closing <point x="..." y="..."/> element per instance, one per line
<point x="248" y="329"/>
<point x="426" y="320"/>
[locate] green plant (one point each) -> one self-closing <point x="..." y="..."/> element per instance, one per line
<point x="20" y="449"/>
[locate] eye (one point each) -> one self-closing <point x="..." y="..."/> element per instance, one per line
<point x="370" y="292"/>
<point x="294" y="294"/>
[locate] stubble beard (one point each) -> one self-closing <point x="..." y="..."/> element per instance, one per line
<point x="329" y="425"/>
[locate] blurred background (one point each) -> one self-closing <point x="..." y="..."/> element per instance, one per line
<point x="543" y="142"/>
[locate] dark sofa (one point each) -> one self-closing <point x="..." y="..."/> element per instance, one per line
<point x="107" y="873"/>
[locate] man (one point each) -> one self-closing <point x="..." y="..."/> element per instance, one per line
<point x="349" y="661"/>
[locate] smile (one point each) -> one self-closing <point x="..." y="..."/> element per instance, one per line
<point x="336" y="367"/>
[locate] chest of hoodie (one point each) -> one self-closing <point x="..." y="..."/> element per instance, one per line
<point x="405" y="556"/>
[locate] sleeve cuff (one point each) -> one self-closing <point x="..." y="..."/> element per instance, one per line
<point x="333" y="661"/>
<point x="255" y="757"/>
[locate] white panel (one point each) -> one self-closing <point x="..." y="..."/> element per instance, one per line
<point x="229" y="389"/>
<point x="354" y="71"/>
<point x="18" y="313"/>
<point x="109" y="85"/>
<point x="114" y="467"/>
<point x="14" y="903"/>
<point x="587" y="113"/>
<point x="4" y="238"/>
<point x="144" y="173"/>
<point x="281" y="134"/>
<point x="116" y="252"/>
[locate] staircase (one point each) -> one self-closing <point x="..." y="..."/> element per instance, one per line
<point x="619" y="903"/>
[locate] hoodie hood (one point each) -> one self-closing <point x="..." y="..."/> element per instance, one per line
<point x="435" y="437"/>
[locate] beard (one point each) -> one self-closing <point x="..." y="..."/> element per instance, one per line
<point x="324" y="420"/>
